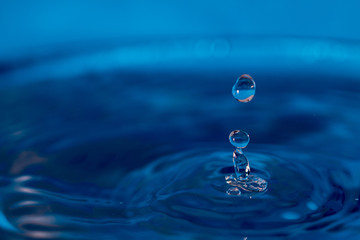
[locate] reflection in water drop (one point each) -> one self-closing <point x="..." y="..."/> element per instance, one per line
<point x="244" y="88"/>
<point x="239" y="138"/>
<point x="234" y="191"/>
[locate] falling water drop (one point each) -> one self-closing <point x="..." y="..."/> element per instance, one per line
<point x="239" y="138"/>
<point x="244" y="88"/>
<point x="243" y="91"/>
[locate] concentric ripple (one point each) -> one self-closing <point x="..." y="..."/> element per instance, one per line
<point x="186" y="193"/>
<point x="188" y="190"/>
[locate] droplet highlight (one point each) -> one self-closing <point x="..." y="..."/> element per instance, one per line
<point x="244" y="88"/>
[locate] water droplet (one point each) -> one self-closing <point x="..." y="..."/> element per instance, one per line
<point x="241" y="164"/>
<point x="243" y="91"/>
<point x="233" y="191"/>
<point x="239" y="138"/>
<point x="244" y="88"/>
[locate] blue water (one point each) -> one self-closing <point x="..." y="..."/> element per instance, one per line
<point x="104" y="153"/>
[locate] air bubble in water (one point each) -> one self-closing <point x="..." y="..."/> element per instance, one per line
<point x="239" y="138"/>
<point x="244" y="88"/>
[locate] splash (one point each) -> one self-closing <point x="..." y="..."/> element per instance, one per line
<point x="243" y="91"/>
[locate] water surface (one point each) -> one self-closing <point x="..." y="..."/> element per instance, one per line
<point x="89" y="153"/>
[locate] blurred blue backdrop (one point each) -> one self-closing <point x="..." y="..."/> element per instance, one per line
<point x="26" y="25"/>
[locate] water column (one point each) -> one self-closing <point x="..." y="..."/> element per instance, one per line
<point x="243" y="91"/>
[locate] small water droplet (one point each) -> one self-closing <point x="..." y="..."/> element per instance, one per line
<point x="233" y="191"/>
<point x="244" y="88"/>
<point x="241" y="164"/>
<point x="239" y="138"/>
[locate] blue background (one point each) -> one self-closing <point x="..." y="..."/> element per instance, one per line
<point x="25" y="25"/>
